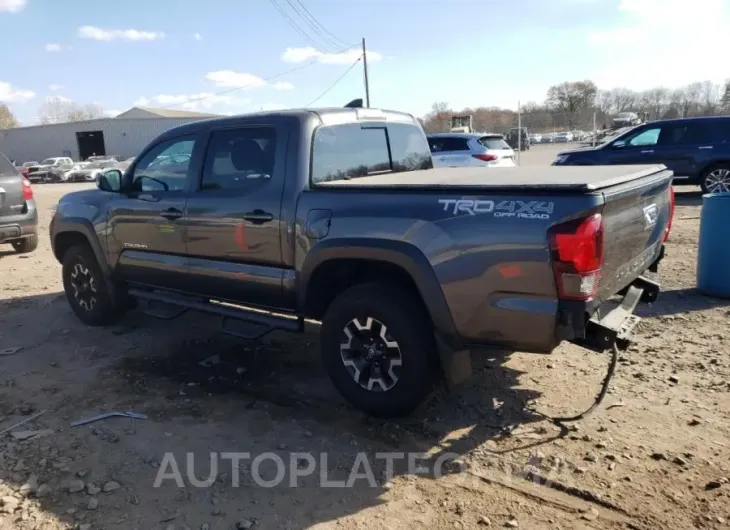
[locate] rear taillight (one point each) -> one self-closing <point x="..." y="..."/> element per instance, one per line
<point x="577" y="257"/>
<point x="671" y="212"/>
<point x="485" y="157"/>
<point x="27" y="190"/>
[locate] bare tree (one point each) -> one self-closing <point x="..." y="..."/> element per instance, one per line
<point x="7" y="120"/>
<point x="655" y="102"/>
<point x="709" y="98"/>
<point x="570" y="98"/>
<point x="61" y="110"/>
<point x="725" y="99"/>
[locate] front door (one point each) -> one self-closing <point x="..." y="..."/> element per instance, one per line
<point x="639" y="148"/>
<point x="233" y="217"/>
<point x="147" y="236"/>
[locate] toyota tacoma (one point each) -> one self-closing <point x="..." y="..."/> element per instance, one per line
<point x="338" y="215"/>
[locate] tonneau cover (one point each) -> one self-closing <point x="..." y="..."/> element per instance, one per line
<point x="559" y="178"/>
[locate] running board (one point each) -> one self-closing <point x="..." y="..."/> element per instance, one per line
<point x="235" y="320"/>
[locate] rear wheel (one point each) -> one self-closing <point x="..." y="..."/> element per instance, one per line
<point x="86" y="288"/>
<point x="27" y="245"/>
<point x="716" y="179"/>
<point x="378" y="348"/>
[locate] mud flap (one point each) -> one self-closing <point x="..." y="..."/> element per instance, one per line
<point x="455" y="364"/>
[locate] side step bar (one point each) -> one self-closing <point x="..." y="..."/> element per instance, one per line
<point x="235" y="320"/>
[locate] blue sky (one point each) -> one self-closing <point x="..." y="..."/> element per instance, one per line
<point x="222" y="55"/>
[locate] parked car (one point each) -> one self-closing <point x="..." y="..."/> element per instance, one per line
<point x="535" y="139"/>
<point x="337" y="215"/>
<point x="48" y="167"/>
<point x="89" y="171"/>
<point x="515" y="140"/>
<point x="18" y="213"/>
<point x="697" y="150"/>
<point x="470" y="149"/>
<point x="563" y="137"/>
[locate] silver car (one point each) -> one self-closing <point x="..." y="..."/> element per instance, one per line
<point x="470" y="149"/>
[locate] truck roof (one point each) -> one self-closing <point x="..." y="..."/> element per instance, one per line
<point x="326" y="116"/>
<point x="558" y="178"/>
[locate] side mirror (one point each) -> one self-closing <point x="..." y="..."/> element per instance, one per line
<point x="110" y="180"/>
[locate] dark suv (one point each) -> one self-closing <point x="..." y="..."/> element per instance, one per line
<point x="697" y="150"/>
<point x="18" y="214"/>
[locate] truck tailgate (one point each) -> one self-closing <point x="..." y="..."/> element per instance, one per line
<point x="636" y="216"/>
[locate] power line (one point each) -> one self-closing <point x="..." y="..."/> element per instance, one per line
<point x="333" y="38"/>
<point x="229" y="90"/>
<point x="292" y="23"/>
<point x="325" y="39"/>
<point x="333" y="85"/>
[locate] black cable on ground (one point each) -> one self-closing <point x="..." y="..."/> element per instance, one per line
<point x="599" y="399"/>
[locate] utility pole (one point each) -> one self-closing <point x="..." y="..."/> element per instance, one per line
<point x="365" y="65"/>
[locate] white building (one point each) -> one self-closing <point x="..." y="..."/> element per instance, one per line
<point x="125" y="135"/>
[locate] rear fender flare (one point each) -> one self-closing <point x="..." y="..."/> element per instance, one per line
<point x="404" y="255"/>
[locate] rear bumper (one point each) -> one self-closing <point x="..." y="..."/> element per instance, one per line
<point x="21" y="226"/>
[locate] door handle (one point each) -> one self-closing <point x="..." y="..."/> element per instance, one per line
<point x="705" y="147"/>
<point x="258" y="217"/>
<point x="171" y="214"/>
<point x="647" y="151"/>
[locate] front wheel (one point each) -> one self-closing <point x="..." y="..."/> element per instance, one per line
<point x="86" y="288"/>
<point x="379" y="350"/>
<point x="716" y="179"/>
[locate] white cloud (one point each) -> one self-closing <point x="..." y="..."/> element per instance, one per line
<point x="197" y="36"/>
<point x="12" y="6"/>
<point x="95" y="33"/>
<point x="200" y="101"/>
<point x="52" y="47"/>
<point x="307" y="53"/>
<point x="642" y="52"/>
<point x="10" y="94"/>
<point x="231" y="79"/>
<point x="283" y="85"/>
<point x="54" y="88"/>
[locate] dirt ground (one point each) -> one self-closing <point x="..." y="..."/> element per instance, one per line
<point x="655" y="455"/>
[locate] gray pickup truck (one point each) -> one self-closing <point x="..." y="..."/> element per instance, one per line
<point x="337" y="215"/>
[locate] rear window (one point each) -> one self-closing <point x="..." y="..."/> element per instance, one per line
<point x="355" y="150"/>
<point x="6" y="168"/>
<point x="440" y="144"/>
<point x="494" y="142"/>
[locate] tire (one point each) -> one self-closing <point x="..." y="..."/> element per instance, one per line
<point x="716" y="179"/>
<point x="27" y="245"/>
<point x="86" y="288"/>
<point x="408" y="337"/>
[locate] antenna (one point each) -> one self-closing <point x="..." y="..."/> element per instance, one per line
<point x="354" y="104"/>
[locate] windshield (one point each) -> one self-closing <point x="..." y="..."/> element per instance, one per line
<point x="615" y="134"/>
<point x="48" y="162"/>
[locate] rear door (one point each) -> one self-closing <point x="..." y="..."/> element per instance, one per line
<point x="684" y="147"/>
<point x="450" y="151"/>
<point x="11" y="189"/>
<point x="233" y="216"/>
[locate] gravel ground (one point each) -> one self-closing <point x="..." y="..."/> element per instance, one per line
<point x="654" y="456"/>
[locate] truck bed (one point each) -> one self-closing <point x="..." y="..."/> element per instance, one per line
<point x="574" y="179"/>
